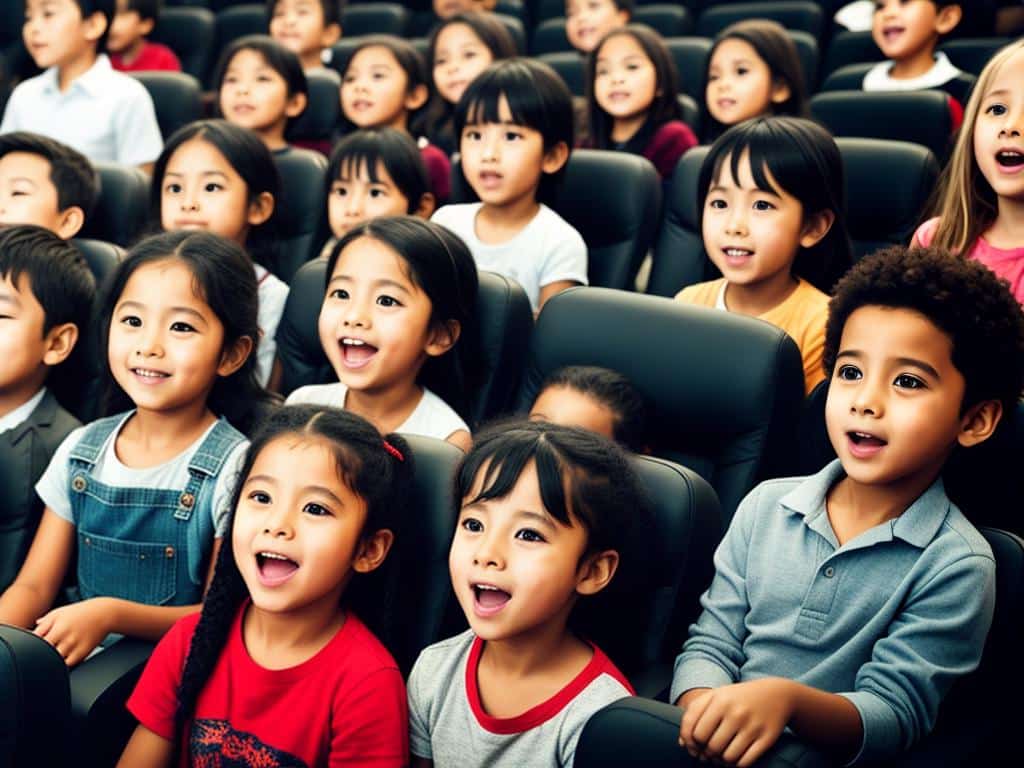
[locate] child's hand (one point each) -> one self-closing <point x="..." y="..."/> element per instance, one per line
<point x="75" y="630"/>
<point x="736" y="724"/>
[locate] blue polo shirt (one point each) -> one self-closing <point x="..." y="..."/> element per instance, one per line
<point x="888" y="620"/>
<point x="105" y="115"/>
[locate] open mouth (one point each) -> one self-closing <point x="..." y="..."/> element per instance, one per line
<point x="864" y="444"/>
<point x="356" y="353"/>
<point x="275" y="568"/>
<point x="361" y="104"/>
<point x="148" y="375"/>
<point x="489" y="179"/>
<point x="489" y="599"/>
<point x="737" y="256"/>
<point x="891" y="33"/>
<point x="1010" y="159"/>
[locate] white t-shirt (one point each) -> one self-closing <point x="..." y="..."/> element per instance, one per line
<point x="13" y="418"/>
<point x="942" y="71"/>
<point x="273" y="294"/>
<point x="432" y="417"/>
<point x="55" y="485"/>
<point x="547" y="250"/>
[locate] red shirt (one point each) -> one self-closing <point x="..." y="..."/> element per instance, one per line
<point x="344" y="706"/>
<point x="152" y="56"/>
<point x="667" y="145"/>
<point x="439" y="169"/>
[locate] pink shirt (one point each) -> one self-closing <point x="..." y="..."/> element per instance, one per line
<point x="1007" y="263"/>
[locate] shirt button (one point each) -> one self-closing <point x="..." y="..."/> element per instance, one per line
<point x="830" y="572"/>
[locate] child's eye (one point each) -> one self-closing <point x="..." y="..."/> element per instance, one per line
<point x="260" y="497"/>
<point x="132" y="321"/>
<point x="472" y="525"/>
<point x="181" y="327"/>
<point x="763" y="205"/>
<point x="996" y="110"/>
<point x="528" y="534"/>
<point x="212" y="186"/>
<point x="173" y="188"/>
<point x="472" y="135"/>
<point x="338" y="293"/>
<point x="717" y="203"/>
<point x="849" y="373"/>
<point x="632" y="67"/>
<point x="741" y="70"/>
<point x="378" y="192"/>
<point x="388" y="301"/>
<point x="513" y="136"/>
<point x="906" y="381"/>
<point x="712" y="78"/>
<point x="317" y="510"/>
<point x="340" y="191"/>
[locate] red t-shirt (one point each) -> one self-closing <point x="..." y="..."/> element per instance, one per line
<point x="152" y="56"/>
<point x="439" y="170"/>
<point x="668" y="144"/>
<point x="344" y="706"/>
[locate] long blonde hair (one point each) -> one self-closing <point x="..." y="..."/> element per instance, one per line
<point x="965" y="202"/>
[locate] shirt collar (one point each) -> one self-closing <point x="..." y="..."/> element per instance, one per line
<point x="90" y="81"/>
<point x="918" y="525"/>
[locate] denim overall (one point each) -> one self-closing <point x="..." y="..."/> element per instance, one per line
<point x="146" y="545"/>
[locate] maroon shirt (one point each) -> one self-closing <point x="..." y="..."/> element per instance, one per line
<point x="153" y="56"/>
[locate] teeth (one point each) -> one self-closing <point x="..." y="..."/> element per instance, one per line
<point x="737" y="252"/>
<point x="273" y="556"/>
<point x="353" y="342"/>
<point x="149" y="374"/>
<point x="488" y="587"/>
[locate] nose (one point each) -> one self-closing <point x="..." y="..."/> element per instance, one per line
<point x="737" y="221"/>
<point x="867" y="400"/>
<point x="150" y="343"/>
<point x="190" y="202"/>
<point x="488" y="553"/>
<point x="490" y="151"/>
<point x="1011" y="124"/>
<point x="354" y="204"/>
<point x="278" y="522"/>
<point x="355" y="314"/>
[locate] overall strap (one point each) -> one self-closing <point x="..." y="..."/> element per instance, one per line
<point x="87" y="449"/>
<point x="207" y="462"/>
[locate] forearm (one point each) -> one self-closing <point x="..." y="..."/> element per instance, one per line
<point x="826" y="719"/>
<point x="688" y="697"/>
<point x="22" y="603"/>
<point x="148" y="622"/>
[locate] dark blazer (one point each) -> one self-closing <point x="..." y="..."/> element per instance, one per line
<point x="25" y="452"/>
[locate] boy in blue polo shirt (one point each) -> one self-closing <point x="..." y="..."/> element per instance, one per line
<point x="844" y="604"/>
<point x="80" y="100"/>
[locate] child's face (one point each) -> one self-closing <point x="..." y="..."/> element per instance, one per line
<point x="375" y="322"/>
<point x="740" y="84"/>
<point x="587" y="21"/>
<point x="515" y="569"/>
<point x="625" y="82"/>
<point x="24" y="347"/>
<point x="55" y="33"/>
<point x="298" y="25"/>
<point x="444" y="9"/>
<point x="297" y="534"/>
<point x="28" y="196"/>
<point x="127" y="29"/>
<point x="572" y="408"/>
<point x="202" y="191"/>
<point x="254" y="95"/>
<point x="998" y="142"/>
<point x="903" y="29"/>
<point x="503" y="162"/>
<point x="165" y="345"/>
<point x="893" y="408"/>
<point x="459" y="56"/>
<point x="375" y="90"/>
<point x="355" y="198"/>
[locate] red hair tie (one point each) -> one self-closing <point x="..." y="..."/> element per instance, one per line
<point x="393" y="451"/>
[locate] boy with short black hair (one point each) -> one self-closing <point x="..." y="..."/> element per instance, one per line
<point x="80" y="99"/>
<point x="588" y="21"/>
<point x="845" y="604"/>
<point x="129" y="49"/>
<point x="308" y="28"/>
<point x="46" y="294"/>
<point x="46" y="183"/>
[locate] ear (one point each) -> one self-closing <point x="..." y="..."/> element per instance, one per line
<point x="427" y="206"/>
<point x="260" y="209"/>
<point x="442" y="338"/>
<point x="596" y="572"/>
<point x="71" y="221"/>
<point x="95" y="26"/>
<point x="146" y="27"/>
<point x="330" y="35"/>
<point x="235" y="356"/>
<point x="372" y="551"/>
<point x="622" y="16"/>
<point x="979" y="422"/>
<point x="416" y="98"/>
<point x="947" y="18"/>
<point x="555" y="158"/>
<point x="780" y="91"/>
<point x="296" y="105"/>
<point x="59" y="342"/>
<point x="816" y="227"/>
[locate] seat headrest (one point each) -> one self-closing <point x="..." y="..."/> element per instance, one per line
<point x="177" y="98"/>
<point x="122" y="207"/>
<point x="375" y="19"/>
<point x="323" y="111"/>
<point x="792" y="14"/>
<point x="189" y="32"/>
<point x="549" y="37"/>
<point x="300" y="205"/>
<point x="691" y="57"/>
<point x="569" y="66"/>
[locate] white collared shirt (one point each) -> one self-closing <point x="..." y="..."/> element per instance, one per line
<point x="104" y="114"/>
<point x="11" y="419"/>
<point x="942" y="71"/>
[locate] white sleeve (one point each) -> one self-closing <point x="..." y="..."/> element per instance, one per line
<point x="566" y="259"/>
<point x="54" y="486"/>
<point x="224" y="489"/>
<point x="11" y="121"/>
<point x="273" y="294"/>
<point x="136" y="131"/>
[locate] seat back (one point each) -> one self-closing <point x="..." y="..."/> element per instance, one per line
<point x="971" y="54"/>
<point x="122" y="208"/>
<point x="190" y="33"/>
<point x="792" y="14"/>
<point x="177" y="98"/>
<point x="679" y="259"/>
<point x="233" y="22"/>
<point x="375" y="19"/>
<point x="617" y="228"/>
<point x="549" y="37"/>
<point x="516" y="30"/>
<point x="299" y="208"/>
<point x="851" y="78"/>
<point x="691" y="57"/>
<point x="849" y="47"/>
<point x="320" y="119"/>
<point x="569" y="66"/>
<point x="724" y="390"/>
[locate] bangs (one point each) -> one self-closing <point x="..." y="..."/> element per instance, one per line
<point x="733" y="152"/>
<point x="361" y="161"/>
<point x="486" y="108"/>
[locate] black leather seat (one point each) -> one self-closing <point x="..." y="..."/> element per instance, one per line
<point x="504" y="321"/>
<point x="691" y="57"/>
<point x="569" y="66"/>
<point x="236" y="21"/>
<point x="189" y="32"/>
<point x="177" y="97"/>
<point x="792" y="14"/>
<point x="516" y="29"/>
<point x="851" y="78"/>
<point x="375" y="19"/>
<point x="849" y="47"/>
<point x="122" y="207"/>
<point x="971" y="54"/>
<point x="549" y="37"/>
<point x="668" y="20"/>
<point x="807" y="49"/>
<point x="724" y="390"/>
<point x="618" y="228"/>
<point x="319" y="120"/>
<point x="298" y="208"/>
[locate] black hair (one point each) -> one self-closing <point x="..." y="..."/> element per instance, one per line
<point x="108" y="8"/>
<point x="332" y="10"/>
<point x="620" y="5"/>
<point x="537" y="98"/>
<point x="805" y="162"/>
<point x="223" y="277"/>
<point x="412" y="65"/>
<point x="368" y="149"/>
<point x="251" y="160"/>
<point x="612" y="390"/>
<point x="283" y="61"/>
<point x="584" y="479"/>
<point x="962" y="298"/>
<point x="663" y="108"/>
<point x="776" y="49"/>
<point x="148" y="10"/>
<point x="440" y="264"/>
<point x="73" y="176"/>
<point x="370" y="471"/>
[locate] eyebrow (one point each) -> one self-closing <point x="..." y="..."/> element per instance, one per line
<point x="720" y="188"/>
<point x="9" y="298"/>
<point x="997" y="92"/>
<point x="539" y="517"/>
<point x="183" y="310"/>
<point x="22" y="178"/>
<point x="913" y="362"/>
<point x="381" y="283"/>
<point x="202" y="173"/>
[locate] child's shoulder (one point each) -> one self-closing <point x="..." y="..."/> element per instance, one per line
<point x="319" y="394"/>
<point x="436" y="663"/>
<point x="705" y="294"/>
<point x="358" y="649"/>
<point x="925" y="233"/>
<point x="455" y="213"/>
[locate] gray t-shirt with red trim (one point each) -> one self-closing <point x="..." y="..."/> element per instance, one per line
<point x="448" y="724"/>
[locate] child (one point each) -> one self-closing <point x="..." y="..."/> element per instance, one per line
<point x="460" y="48"/>
<point x="179" y="323"/>
<point x="519" y="685"/>
<point x="385" y="86"/>
<point x="588" y="21"/>
<point x="261" y="86"/>
<point x="217" y="176"/>
<point x="845" y="604"/>
<point x="46" y="293"/>
<point x="130" y="51"/>
<point x="515" y="129"/>
<point x="80" y="100"/>
<point x="373" y="172"/>
<point x="280" y="663"/>
<point x="753" y="70"/>
<point x="46" y="183"/>
<point x="400" y="293"/>
<point x="596" y="399"/>
<point x="632" y="98"/>
<point x="981" y="196"/>
<point x="307" y="28"/>
<point x="773" y="203"/>
<point x="907" y="32"/>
